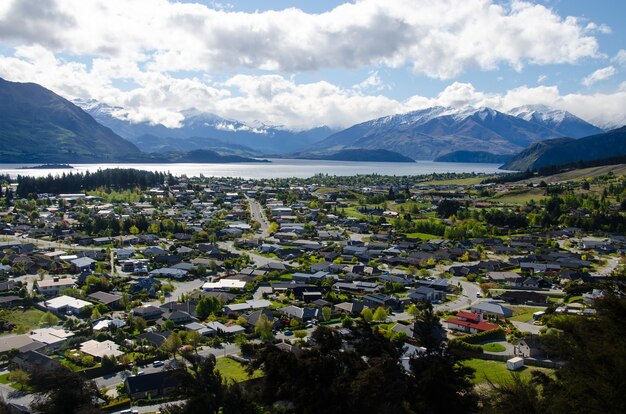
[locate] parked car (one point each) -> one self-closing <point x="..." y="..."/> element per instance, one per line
<point x="158" y="364"/>
<point x="288" y="332"/>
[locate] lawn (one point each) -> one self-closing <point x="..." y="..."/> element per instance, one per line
<point x="24" y="319"/>
<point x="520" y="196"/>
<point x="496" y="371"/>
<point x="233" y="370"/>
<point x="494" y="347"/>
<point x="523" y="313"/>
<point x="423" y="236"/>
<point x="4" y="378"/>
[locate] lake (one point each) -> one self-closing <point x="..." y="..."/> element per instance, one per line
<point x="278" y="168"/>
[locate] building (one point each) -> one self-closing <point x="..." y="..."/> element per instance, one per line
<point x="157" y="384"/>
<point x="470" y="323"/>
<point x="493" y="309"/>
<point x="54" y="286"/>
<point x="100" y="349"/>
<point x="65" y="305"/>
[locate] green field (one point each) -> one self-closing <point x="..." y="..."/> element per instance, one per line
<point x="422" y="236"/>
<point x="496" y="371"/>
<point x="233" y="370"/>
<point x="522" y="196"/>
<point x="24" y="319"/>
<point x="523" y="313"/>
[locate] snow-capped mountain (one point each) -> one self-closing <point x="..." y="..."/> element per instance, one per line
<point x="201" y="130"/>
<point x="429" y="133"/>
<point x="563" y="122"/>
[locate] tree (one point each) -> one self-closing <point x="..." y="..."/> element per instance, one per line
<point x="447" y="208"/>
<point x="172" y="343"/>
<point x="168" y="325"/>
<point x="60" y="391"/>
<point x="48" y="319"/>
<point x="206" y="306"/>
<point x="125" y="301"/>
<point x="326" y="313"/>
<point x="193" y="338"/>
<point x="263" y="328"/>
<point x="380" y="314"/>
<point x="20" y="376"/>
<point x="95" y="314"/>
<point x="367" y="315"/>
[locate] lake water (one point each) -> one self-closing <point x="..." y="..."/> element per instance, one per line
<point x="278" y="168"/>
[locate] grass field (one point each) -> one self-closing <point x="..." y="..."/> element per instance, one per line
<point x="233" y="370"/>
<point x="422" y="236"/>
<point x="496" y="371"/>
<point x="523" y="313"/>
<point x="521" y="196"/>
<point x="24" y="319"/>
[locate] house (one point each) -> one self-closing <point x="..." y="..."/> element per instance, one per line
<point x="470" y="323"/>
<point x="352" y="308"/>
<point x="52" y="338"/>
<point x="22" y="343"/>
<point x="53" y="287"/>
<point x="65" y="305"/>
<point x="169" y="272"/>
<point x="303" y="314"/>
<point x="426" y="294"/>
<point x="225" y="284"/>
<point x="374" y="300"/>
<point x="155" y="339"/>
<point x="530" y="347"/>
<point x="494" y="309"/>
<point x="149" y="312"/>
<point x="34" y="362"/>
<point x="226" y="329"/>
<point x="83" y="264"/>
<point x="109" y="299"/>
<point x="156" y="384"/>
<point x="248" y="305"/>
<point x="99" y="349"/>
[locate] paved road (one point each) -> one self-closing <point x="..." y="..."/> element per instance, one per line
<point x="258" y="259"/>
<point x="47" y="244"/>
<point x="467" y="298"/>
<point x="258" y="214"/>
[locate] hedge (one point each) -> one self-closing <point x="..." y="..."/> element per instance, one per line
<point x="483" y="336"/>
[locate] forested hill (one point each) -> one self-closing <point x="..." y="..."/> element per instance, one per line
<point x="115" y="178"/>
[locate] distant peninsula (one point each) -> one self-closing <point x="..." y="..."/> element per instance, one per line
<point x="474" y="157"/>
<point x="361" y="155"/>
<point x="48" y="167"/>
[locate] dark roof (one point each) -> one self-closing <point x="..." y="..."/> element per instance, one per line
<point x="154" y="381"/>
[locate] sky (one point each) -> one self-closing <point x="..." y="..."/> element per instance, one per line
<point x="303" y="64"/>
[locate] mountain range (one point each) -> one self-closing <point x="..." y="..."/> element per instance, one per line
<point x="432" y="132"/>
<point x="36" y="125"/>
<point x="602" y="149"/>
<point x="200" y="130"/>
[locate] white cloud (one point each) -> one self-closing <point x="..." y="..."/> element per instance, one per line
<point x="439" y="39"/>
<point x="620" y="57"/>
<point x="599" y="75"/>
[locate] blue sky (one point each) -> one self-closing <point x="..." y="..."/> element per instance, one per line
<point x="308" y="63"/>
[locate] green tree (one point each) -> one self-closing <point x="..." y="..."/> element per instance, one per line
<point x="19" y="376"/>
<point x="263" y="328"/>
<point x="367" y="315"/>
<point x="380" y="314"/>
<point x="172" y="343"/>
<point x="48" y="319"/>
<point x="326" y="313"/>
<point x="206" y="306"/>
<point x="59" y="390"/>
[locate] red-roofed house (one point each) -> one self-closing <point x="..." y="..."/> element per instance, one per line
<point x="470" y="323"/>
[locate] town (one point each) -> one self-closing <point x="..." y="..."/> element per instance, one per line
<point x="124" y="283"/>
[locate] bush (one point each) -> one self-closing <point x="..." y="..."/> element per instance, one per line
<point x="497" y="334"/>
